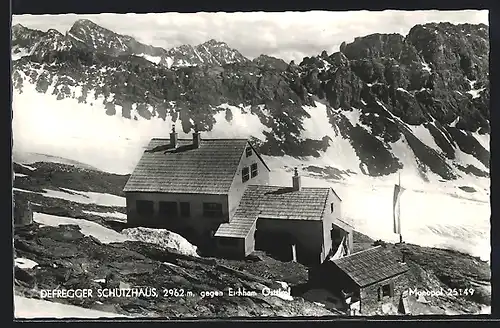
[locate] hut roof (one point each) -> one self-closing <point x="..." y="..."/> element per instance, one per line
<point x="370" y="266"/>
<point x="276" y="202"/>
<point x="208" y="169"/>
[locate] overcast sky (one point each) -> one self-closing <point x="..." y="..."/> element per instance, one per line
<point x="287" y="35"/>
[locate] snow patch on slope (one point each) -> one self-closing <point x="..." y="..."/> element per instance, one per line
<point x="424" y="135"/>
<point x="88" y="228"/>
<point x="113" y="215"/>
<point x="468" y="159"/>
<point x="19" y="53"/>
<point x="29" y="308"/>
<point x="242" y="125"/>
<point x="340" y="154"/>
<point x="23" y="263"/>
<point x="102" y="199"/>
<point x="154" y="59"/>
<point x="483" y="139"/>
<point x="86" y="197"/>
<point x="475" y="93"/>
<point x="68" y="129"/>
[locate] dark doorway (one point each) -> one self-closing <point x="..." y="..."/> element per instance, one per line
<point x="306" y="256"/>
<point x="275" y="244"/>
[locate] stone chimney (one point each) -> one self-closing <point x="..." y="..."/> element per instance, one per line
<point x="196" y="137"/>
<point x="173" y="138"/>
<point x="297" y="184"/>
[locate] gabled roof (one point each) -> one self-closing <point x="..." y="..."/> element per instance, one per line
<point x="209" y="169"/>
<point x="274" y="202"/>
<point x="370" y="266"/>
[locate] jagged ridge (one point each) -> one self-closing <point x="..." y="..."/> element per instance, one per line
<point x="436" y="78"/>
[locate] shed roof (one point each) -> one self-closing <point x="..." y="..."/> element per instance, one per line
<point x="274" y="202"/>
<point x="208" y="169"/>
<point x="371" y="266"/>
<point x="239" y="227"/>
<point x="278" y="202"/>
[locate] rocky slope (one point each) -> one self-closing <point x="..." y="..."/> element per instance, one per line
<point x="427" y="92"/>
<point x="68" y="258"/>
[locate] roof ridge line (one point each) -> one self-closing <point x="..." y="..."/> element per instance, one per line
<point x="325" y="204"/>
<point x="281" y="186"/>
<point x="364" y="250"/>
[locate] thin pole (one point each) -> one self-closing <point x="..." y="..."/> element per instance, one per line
<point x="399" y="205"/>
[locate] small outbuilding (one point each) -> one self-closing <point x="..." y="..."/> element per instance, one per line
<point x="366" y="281"/>
<point x="23" y="213"/>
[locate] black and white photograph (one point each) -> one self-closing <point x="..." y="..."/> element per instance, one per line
<point x="251" y="164"/>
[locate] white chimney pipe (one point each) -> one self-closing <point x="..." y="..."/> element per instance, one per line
<point x="173" y="138"/>
<point x="196" y="137"/>
<point x="297" y="184"/>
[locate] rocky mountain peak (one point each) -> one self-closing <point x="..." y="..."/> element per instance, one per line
<point x="214" y="43"/>
<point x="99" y="39"/>
<point x="269" y="61"/>
<point x="375" y="46"/>
<point x="183" y="49"/>
<point x="86" y="35"/>
<point x="87" y="24"/>
<point x="215" y="52"/>
<point x="54" y="33"/>
<point x="18" y="28"/>
<point x="24" y="35"/>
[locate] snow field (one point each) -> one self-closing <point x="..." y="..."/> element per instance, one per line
<point x="30" y="308"/>
<point x="434" y="213"/>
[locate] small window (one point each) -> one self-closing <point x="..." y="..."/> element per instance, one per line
<point x="212" y="210"/>
<point x="331" y="207"/>
<point x="145" y="207"/>
<point x="245" y="174"/>
<point x="386" y="290"/>
<point x="185" y="209"/>
<point x="168" y="209"/>
<point x="229" y="242"/>
<point x="248" y="152"/>
<point x="254" y="170"/>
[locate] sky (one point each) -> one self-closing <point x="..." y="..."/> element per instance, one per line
<point x="286" y="35"/>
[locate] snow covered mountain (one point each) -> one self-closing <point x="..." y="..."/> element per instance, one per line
<point x="383" y="105"/>
<point x="85" y="35"/>
<point x="425" y="95"/>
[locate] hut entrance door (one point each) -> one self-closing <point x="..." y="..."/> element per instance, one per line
<point x="275" y="244"/>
